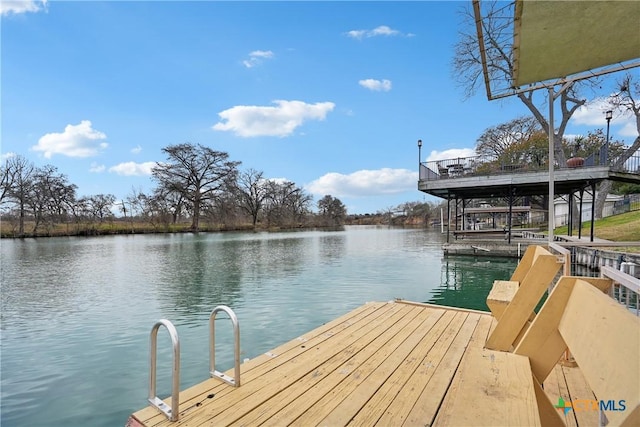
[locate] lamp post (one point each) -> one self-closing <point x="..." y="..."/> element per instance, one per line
<point x="607" y="115"/>
<point x="419" y="152"/>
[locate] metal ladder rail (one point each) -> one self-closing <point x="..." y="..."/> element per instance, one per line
<point x="212" y="347"/>
<point x="172" y="412"/>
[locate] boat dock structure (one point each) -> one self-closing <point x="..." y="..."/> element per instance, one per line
<point x="399" y="363"/>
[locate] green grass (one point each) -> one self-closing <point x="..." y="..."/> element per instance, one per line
<point x="618" y="228"/>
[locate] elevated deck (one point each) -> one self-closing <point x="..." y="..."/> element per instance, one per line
<point x="476" y="185"/>
<point x="388" y="364"/>
<point x="481" y="177"/>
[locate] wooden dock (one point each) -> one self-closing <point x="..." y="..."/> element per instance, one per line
<point x="390" y="364"/>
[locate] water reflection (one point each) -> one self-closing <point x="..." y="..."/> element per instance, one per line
<point x="196" y="271"/>
<point x="332" y="247"/>
<point x="466" y="281"/>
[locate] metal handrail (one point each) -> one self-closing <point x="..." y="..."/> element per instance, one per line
<point x="529" y="162"/>
<point x="172" y="412"/>
<point x="212" y="346"/>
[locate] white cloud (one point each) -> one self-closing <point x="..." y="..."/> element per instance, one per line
<point x="132" y="168"/>
<point x="8" y="7"/>
<point x="76" y="141"/>
<point x="382" y="30"/>
<point x="376" y="85"/>
<point x="136" y="150"/>
<point x="365" y="183"/>
<point x="256" y="57"/>
<point x="452" y="153"/>
<point x="357" y="34"/>
<point x="279" y="120"/>
<point x="593" y="114"/>
<point x="96" y="168"/>
<point x="629" y="129"/>
<point x="6" y="156"/>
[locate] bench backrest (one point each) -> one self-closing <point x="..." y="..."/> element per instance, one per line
<point x="602" y="336"/>
<point x="536" y="270"/>
<point x="526" y="262"/>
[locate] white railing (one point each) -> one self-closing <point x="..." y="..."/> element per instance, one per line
<point x="564" y="254"/>
<point x="626" y="288"/>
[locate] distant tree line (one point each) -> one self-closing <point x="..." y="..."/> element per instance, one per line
<point x="196" y="188"/>
<point x="411" y="214"/>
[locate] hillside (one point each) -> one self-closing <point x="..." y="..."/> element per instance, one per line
<point x="618" y="228"/>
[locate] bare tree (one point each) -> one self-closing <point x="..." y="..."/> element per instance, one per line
<point x="195" y="172"/>
<point x="496" y="140"/>
<point x="625" y="100"/>
<point x="157" y="208"/>
<point x="17" y="181"/>
<point x="252" y="190"/>
<point x="418" y="212"/>
<point x="98" y="206"/>
<point x="172" y="206"/>
<point x="286" y="204"/>
<point x="497" y="26"/>
<point x="332" y="211"/>
<point x="50" y="196"/>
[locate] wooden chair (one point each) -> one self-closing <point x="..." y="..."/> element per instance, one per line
<point x="602" y="336"/>
<point x="500" y="388"/>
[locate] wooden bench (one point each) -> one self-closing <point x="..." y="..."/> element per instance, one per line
<point x="602" y="336"/>
<point x="513" y="302"/>
<point x="501" y="295"/>
<point x="500" y="388"/>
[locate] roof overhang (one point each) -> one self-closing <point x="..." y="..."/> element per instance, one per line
<point x="557" y="39"/>
<point x="558" y="42"/>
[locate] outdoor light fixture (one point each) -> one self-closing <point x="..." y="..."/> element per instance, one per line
<point x="419" y="152"/>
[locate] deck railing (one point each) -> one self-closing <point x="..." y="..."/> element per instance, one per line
<point x="626" y="288"/>
<point x="489" y="165"/>
<point x="626" y="285"/>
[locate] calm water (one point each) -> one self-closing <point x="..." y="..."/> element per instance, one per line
<point x="76" y="312"/>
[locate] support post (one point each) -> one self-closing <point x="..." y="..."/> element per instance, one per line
<point x="580" y="221"/>
<point x="456" y="216"/>
<point x="570" y="216"/>
<point x="593" y="207"/>
<point x="448" y="217"/>
<point x="510" y="219"/>
<point x="463" y="216"/>
<point x="551" y="166"/>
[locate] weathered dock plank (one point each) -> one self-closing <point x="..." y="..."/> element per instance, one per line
<point x="418" y="401"/>
<point x="507" y="390"/>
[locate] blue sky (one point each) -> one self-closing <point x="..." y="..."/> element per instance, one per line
<point x="330" y="95"/>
